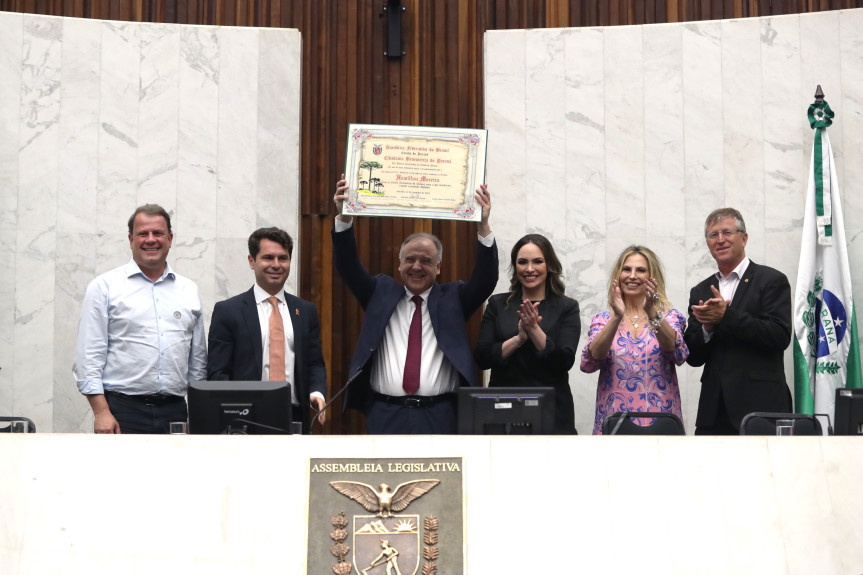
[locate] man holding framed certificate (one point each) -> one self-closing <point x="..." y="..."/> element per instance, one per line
<point x="413" y="350"/>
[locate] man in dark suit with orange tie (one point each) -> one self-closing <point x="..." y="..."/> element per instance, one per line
<point x="739" y="327"/>
<point x="250" y="338"/>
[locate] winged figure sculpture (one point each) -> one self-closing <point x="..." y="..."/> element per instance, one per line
<point x="385" y="501"/>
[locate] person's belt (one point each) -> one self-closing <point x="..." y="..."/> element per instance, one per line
<point x="151" y="399"/>
<point x="414" y="400"/>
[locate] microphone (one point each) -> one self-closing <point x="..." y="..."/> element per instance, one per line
<point x="347" y="384"/>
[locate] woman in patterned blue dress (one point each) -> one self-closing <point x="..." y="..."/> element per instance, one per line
<point x="637" y="342"/>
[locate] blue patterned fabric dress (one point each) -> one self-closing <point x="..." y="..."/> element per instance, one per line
<point x="637" y="375"/>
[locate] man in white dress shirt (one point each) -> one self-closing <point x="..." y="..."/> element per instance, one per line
<point x="141" y="335"/>
<point x="413" y="351"/>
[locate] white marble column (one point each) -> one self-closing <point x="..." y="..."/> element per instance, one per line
<point x="98" y="117"/>
<point x="651" y="128"/>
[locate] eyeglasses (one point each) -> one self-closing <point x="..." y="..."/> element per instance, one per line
<point x="712" y="236"/>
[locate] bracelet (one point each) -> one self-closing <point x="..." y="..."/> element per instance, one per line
<point x="656" y="322"/>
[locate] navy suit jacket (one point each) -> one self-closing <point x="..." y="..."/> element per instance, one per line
<point x="449" y="305"/>
<point x="236" y="351"/>
<point x="743" y="358"/>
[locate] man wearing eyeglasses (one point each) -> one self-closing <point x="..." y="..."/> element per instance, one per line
<point x="739" y="327"/>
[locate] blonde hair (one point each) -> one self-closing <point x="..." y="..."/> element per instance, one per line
<point x="654" y="269"/>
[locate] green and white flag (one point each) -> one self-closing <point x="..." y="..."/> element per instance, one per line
<point x="826" y="348"/>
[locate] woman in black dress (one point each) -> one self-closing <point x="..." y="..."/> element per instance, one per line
<point x="529" y="335"/>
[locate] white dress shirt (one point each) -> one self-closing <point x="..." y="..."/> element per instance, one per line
<point x="437" y="374"/>
<point x="728" y="287"/>
<point x="137" y="336"/>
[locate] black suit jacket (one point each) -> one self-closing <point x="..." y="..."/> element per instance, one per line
<point x="449" y="305"/>
<point x="526" y="366"/>
<point x="236" y="351"/>
<point x="743" y="358"/>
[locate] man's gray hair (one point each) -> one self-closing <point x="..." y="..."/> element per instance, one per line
<point x="722" y="213"/>
<point x="422" y="235"/>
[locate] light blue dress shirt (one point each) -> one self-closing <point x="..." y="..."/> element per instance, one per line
<point x="137" y="336"/>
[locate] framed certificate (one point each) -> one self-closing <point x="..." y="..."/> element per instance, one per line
<point x="414" y="171"/>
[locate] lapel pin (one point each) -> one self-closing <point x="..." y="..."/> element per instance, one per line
<point x="297" y="311"/>
<point x="746" y="281"/>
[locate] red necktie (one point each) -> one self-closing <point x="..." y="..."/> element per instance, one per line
<point x="277" y="342"/>
<point x="411" y="380"/>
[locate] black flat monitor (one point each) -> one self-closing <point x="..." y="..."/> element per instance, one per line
<point x="506" y="411"/>
<point x="848" y="417"/>
<point x="240" y="407"/>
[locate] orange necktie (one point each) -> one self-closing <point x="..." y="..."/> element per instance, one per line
<point x="277" y="342"/>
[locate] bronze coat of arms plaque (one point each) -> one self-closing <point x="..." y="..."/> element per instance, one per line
<point x="386" y="516"/>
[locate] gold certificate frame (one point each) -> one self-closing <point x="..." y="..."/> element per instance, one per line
<point x="414" y="171"/>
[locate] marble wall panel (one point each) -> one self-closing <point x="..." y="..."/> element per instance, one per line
<point x="506" y="156"/>
<point x="158" y="99"/>
<point x="744" y="488"/>
<point x="8" y="241"/>
<point x="799" y="492"/>
<point x="76" y="262"/>
<point x="840" y="492"/>
<point x="117" y="170"/>
<point x="785" y="159"/>
<point x="545" y="153"/>
<point x="688" y="464"/>
<point x="664" y="204"/>
<point x="97" y="117"/>
<point x="39" y="128"/>
<point x="623" y="82"/>
<point x="198" y="125"/>
<point x="232" y="275"/>
<point x="278" y="155"/>
<point x="237" y="133"/>
<point x="665" y="123"/>
<point x="32" y="383"/>
<point x="585" y="131"/>
<point x="195" y="257"/>
<point x="620" y="460"/>
<point x="816" y="550"/>
<point x="704" y="172"/>
<point x="79" y="125"/>
<point x="821" y="64"/>
<point x="743" y="127"/>
<point x="851" y="54"/>
<point x="11" y="54"/>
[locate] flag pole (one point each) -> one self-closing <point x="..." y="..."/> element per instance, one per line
<point x="826" y="346"/>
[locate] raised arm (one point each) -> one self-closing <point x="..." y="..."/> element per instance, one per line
<point x="345" y="257"/>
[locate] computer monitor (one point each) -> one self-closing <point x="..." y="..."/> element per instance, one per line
<point x="240" y="407"/>
<point x="505" y="410"/>
<point x="848" y="417"/>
